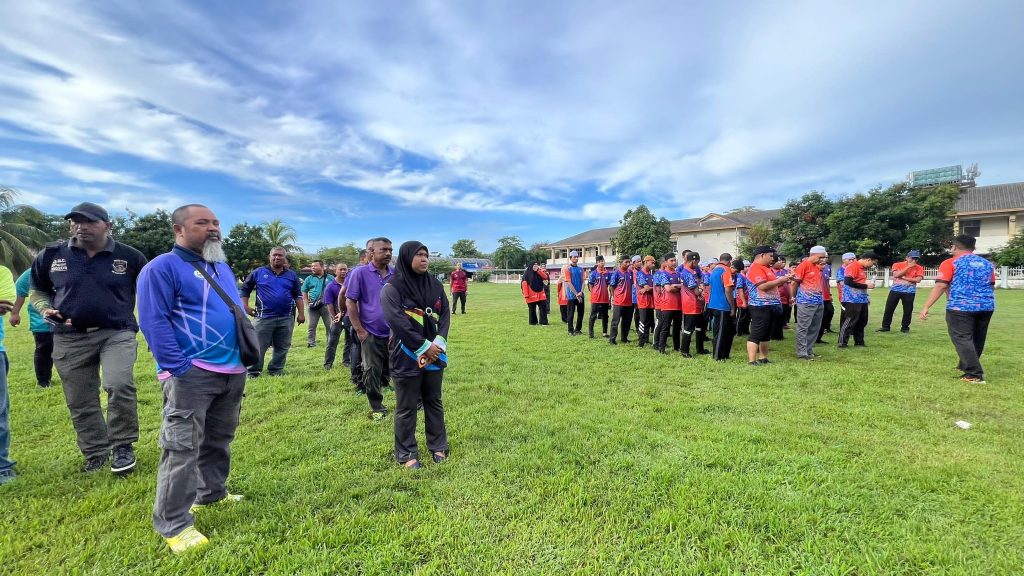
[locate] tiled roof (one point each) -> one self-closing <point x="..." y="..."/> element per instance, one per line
<point x="710" y="222"/>
<point x="991" y="198"/>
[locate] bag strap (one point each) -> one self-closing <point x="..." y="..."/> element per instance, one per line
<point x="220" y="291"/>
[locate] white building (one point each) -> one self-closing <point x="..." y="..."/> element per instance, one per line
<point x="989" y="213"/>
<point x="709" y="235"/>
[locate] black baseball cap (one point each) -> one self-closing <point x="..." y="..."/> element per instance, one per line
<point x="93" y="212"/>
<point x="763" y="250"/>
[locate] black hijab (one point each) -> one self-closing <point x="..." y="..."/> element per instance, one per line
<point x="422" y="290"/>
<point x="533" y="280"/>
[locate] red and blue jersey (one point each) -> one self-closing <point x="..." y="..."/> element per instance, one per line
<point x="641" y="279"/>
<point x="971" y="280"/>
<point x="622" y="287"/>
<point x="598" y="281"/>
<point x="757" y="275"/>
<point x="854" y="271"/>
<point x="664" y="299"/>
<point x="690" y="293"/>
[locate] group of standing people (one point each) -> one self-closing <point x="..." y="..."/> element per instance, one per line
<point x="694" y="303"/>
<point x="83" y="294"/>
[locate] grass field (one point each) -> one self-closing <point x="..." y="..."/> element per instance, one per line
<point x="570" y="456"/>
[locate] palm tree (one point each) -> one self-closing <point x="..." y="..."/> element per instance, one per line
<point x="281" y="234"/>
<point x="19" y="240"/>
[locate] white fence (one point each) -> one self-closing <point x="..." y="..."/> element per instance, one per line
<point x="1006" y="277"/>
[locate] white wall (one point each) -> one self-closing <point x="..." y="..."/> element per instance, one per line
<point x="709" y="244"/>
<point x="994" y="233"/>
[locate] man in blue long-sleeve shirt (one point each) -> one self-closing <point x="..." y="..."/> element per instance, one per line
<point x="191" y="332"/>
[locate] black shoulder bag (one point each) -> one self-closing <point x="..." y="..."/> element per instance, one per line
<point x="248" y="342"/>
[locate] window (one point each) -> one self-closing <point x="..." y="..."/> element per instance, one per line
<point x="970" y="227"/>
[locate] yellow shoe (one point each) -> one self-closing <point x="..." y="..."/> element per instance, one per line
<point x="229" y="499"/>
<point x="187" y="539"/>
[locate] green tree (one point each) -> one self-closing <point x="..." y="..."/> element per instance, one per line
<point x="465" y="248"/>
<point x="54" y="226"/>
<point x="19" y="239"/>
<point x="640" y="232"/>
<point x="802" y="223"/>
<point x="347" y="253"/>
<point x="537" y="253"/>
<point x="1013" y="253"/>
<point x="281" y="234"/>
<point x="893" y="220"/>
<point x="760" y="234"/>
<point x="152" y="234"/>
<point x="510" y="253"/>
<point x="247" y="248"/>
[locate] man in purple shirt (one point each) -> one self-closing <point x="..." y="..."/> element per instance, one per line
<point x="362" y="297"/>
<point x="333" y="295"/>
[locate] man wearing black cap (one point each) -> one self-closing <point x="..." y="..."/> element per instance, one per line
<point x="85" y="288"/>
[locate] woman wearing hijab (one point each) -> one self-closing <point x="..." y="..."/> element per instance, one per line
<point x="533" y="291"/>
<point x="416" y="309"/>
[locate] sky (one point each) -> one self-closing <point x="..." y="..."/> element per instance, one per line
<point x="448" y="119"/>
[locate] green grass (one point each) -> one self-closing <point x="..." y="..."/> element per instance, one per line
<point x="570" y="456"/>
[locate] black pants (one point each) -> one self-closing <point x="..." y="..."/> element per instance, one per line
<point x="693" y="324"/>
<point x="574" y="315"/>
<point x="375" y="358"/>
<point x="668" y="322"/>
<point x="854" y="322"/>
<point x="622" y="318"/>
<point x="636" y="318"/>
<point x="408" y="391"/>
<point x="645" y="325"/>
<point x="907" y="299"/>
<point x="742" y="321"/>
<point x="540" y="307"/>
<point x="598" y="310"/>
<point x="564" y="309"/>
<point x="456" y="296"/>
<point x="827" y="314"/>
<point x="968" y="331"/>
<point x="355" y="357"/>
<point x="787" y="311"/>
<point x="778" y="322"/>
<point x="724" y="330"/>
<point x="43" y="357"/>
<point x="546" y="302"/>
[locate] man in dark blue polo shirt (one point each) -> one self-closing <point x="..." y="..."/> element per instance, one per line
<point x="85" y="288"/>
<point x="278" y="305"/>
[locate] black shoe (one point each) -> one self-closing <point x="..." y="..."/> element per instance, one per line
<point x="861" y="345"/>
<point x="605" y="335"/>
<point x="328" y="366"/>
<point x="624" y="341"/>
<point x="124" y="460"/>
<point x="820" y="342"/>
<point x="44" y="384"/>
<point x="313" y="345"/>
<point x="94" y="464"/>
<point x="754" y="363"/>
<point x="591" y="335"/>
<point x="687" y="355"/>
<point x="703" y="352"/>
<point x="905" y="330"/>
<point x="882" y="330"/>
<point x="439" y="459"/>
<point x="765" y="361"/>
<point x="662" y="351"/>
<point x="613" y="342"/>
<point x="252" y="375"/>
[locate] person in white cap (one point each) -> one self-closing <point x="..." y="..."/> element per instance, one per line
<point x="809" y="298"/>
<point x="848" y="257"/>
<point x="572" y="284"/>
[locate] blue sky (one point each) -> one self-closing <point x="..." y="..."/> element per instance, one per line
<point x="445" y="119"/>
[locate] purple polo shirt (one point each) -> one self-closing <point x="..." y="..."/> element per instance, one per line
<point x="331" y="294"/>
<point x="364" y="285"/>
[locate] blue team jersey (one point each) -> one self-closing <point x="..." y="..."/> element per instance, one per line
<point x="970" y="278"/>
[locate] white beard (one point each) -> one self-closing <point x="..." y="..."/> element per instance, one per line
<point x="213" y="251"/>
